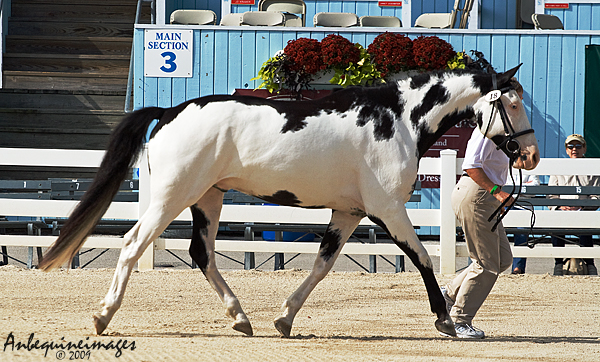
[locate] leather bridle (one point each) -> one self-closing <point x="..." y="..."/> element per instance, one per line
<point x="508" y="143"/>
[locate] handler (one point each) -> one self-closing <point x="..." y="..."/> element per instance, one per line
<point x="476" y="196"/>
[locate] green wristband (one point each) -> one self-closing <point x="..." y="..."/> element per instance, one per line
<point x="493" y="190"/>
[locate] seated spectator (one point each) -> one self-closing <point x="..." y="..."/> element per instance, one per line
<point x="575" y="147"/>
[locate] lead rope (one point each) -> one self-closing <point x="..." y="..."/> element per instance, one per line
<point x="503" y="209"/>
<point x="500" y="212"/>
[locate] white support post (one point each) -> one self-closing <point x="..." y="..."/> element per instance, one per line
<point x="225" y="8"/>
<point x="146" y="261"/>
<point x="447" y="218"/>
<point x="540" y="7"/>
<point x="475" y="16"/>
<point x="160" y="10"/>
<point x="406" y="14"/>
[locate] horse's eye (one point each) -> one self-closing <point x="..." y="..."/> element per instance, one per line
<point x="513" y="106"/>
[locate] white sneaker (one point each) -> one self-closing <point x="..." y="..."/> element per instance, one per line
<point x="464" y="330"/>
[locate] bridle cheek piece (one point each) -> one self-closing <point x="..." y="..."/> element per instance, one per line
<point x="508" y="143"/>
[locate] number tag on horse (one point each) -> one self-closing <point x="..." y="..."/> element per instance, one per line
<point x="493" y="95"/>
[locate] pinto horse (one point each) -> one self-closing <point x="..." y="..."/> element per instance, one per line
<point x="355" y="151"/>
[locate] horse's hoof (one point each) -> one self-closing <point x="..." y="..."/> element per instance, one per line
<point x="99" y="324"/>
<point x="445" y="326"/>
<point x="283" y="327"/>
<point x="243" y="327"/>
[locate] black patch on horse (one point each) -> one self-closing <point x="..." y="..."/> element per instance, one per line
<point x="382" y="105"/>
<point x="437" y="94"/>
<point x="294" y="123"/>
<point x="479" y="119"/>
<point x="199" y="231"/>
<point x="426" y="139"/>
<point x="330" y="243"/>
<point x="419" y="80"/>
<point x="281" y="197"/>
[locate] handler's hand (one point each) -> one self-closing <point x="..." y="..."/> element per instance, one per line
<point x="501" y="196"/>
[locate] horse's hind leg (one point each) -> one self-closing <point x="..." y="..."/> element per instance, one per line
<point x="149" y="227"/>
<point x="340" y="228"/>
<point x="202" y="249"/>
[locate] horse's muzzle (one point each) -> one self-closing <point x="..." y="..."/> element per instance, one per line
<point x="528" y="159"/>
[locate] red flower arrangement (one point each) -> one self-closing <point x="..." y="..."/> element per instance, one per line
<point x="391" y="53"/>
<point x="338" y="51"/>
<point x="431" y="53"/>
<point x="304" y="54"/>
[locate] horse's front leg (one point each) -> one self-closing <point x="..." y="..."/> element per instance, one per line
<point x="338" y="231"/>
<point x="399" y="228"/>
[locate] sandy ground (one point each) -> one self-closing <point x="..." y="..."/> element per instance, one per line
<point x="174" y="315"/>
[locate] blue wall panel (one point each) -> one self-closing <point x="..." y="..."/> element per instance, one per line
<point x="584" y="16"/>
<point x="207" y="42"/>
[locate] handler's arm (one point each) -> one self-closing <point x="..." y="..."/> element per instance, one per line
<point x="481" y="179"/>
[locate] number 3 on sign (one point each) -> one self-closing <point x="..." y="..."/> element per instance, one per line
<point x="168" y="53"/>
<point x="169" y="58"/>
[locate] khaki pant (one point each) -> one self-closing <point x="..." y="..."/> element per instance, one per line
<point x="489" y="251"/>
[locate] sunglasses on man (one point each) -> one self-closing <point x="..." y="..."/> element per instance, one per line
<point x="577" y="146"/>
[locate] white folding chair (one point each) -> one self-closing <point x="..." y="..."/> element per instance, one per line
<point x="438" y="20"/>
<point x="294" y="11"/>
<point x="380" y="21"/>
<point x="263" y="18"/>
<point x="193" y="17"/>
<point x="343" y="20"/>
<point x="231" y="19"/>
<point x="546" y="22"/>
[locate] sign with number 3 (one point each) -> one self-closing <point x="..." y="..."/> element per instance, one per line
<point x="168" y="53"/>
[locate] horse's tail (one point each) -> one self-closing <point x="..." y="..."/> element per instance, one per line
<point x="125" y="144"/>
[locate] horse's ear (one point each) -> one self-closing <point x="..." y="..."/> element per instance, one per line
<point x="504" y="78"/>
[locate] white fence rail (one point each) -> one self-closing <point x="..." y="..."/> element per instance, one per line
<point x="447" y="166"/>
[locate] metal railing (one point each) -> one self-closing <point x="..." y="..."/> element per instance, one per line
<point x="138" y="14"/>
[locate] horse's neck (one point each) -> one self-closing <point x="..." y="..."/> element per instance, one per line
<point x="444" y="103"/>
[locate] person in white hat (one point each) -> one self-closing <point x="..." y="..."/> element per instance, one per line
<point x="575" y="147"/>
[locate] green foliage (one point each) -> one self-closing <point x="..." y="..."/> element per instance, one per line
<point x="458" y="62"/>
<point x="361" y="73"/>
<point x="273" y="73"/>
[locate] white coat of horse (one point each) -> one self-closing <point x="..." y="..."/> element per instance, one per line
<point x="356" y="152"/>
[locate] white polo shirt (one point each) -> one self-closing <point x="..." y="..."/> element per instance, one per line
<point x="482" y="153"/>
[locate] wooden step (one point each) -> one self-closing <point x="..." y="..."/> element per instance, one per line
<point x="73" y="100"/>
<point x="75" y="139"/>
<point x="121" y="12"/>
<point x="68" y="45"/>
<point x="75" y="63"/>
<point x="80" y="19"/>
<point x="50" y="118"/>
<point x="64" y="81"/>
<point x="37" y="28"/>
<point x="75" y="2"/>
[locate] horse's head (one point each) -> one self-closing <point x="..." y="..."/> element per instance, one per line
<point x="501" y="117"/>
